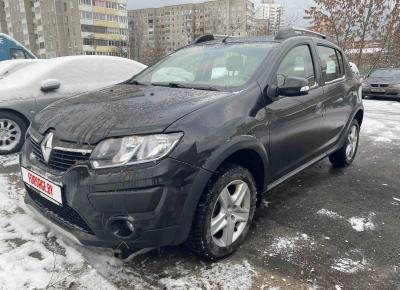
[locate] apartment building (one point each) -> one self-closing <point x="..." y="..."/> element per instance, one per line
<point x="104" y="27"/>
<point x="272" y="13"/>
<point x="52" y="28"/>
<point x="19" y="22"/>
<point x="155" y="32"/>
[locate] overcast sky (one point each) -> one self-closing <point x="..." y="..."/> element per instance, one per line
<point x="294" y="8"/>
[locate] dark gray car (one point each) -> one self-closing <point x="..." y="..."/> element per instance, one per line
<point x="28" y="87"/>
<point x="383" y="82"/>
<point x="186" y="149"/>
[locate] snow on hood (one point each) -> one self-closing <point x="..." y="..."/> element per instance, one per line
<point x="119" y="111"/>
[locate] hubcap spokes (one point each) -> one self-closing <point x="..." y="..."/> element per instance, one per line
<point x="352" y="143"/>
<point x="231" y="213"/>
<point x="10" y="134"/>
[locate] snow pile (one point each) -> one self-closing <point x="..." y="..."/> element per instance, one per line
<point x="218" y="276"/>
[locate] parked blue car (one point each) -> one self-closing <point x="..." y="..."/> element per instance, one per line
<point x="12" y="49"/>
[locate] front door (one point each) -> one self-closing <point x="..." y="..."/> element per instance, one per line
<point x="297" y="122"/>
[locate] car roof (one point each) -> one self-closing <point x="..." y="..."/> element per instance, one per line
<point x="268" y="38"/>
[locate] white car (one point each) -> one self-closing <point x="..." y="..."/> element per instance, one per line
<point x="27" y="87"/>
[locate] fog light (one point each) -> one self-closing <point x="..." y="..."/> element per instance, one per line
<point x="122" y="228"/>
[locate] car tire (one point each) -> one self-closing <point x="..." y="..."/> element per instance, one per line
<point x="12" y="133"/>
<point x="345" y="155"/>
<point x="224" y="213"/>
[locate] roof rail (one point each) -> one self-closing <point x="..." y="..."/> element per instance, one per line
<point x="204" y="38"/>
<point x="292" y="32"/>
<point x="210" y="37"/>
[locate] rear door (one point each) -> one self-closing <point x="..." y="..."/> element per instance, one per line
<point x="297" y="121"/>
<point x="337" y="93"/>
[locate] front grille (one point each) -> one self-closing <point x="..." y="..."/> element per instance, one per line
<point x="60" y="160"/>
<point x="379" y="85"/>
<point x="64" y="214"/>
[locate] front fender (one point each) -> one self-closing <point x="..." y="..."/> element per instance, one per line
<point x="214" y="161"/>
<point x="232" y="146"/>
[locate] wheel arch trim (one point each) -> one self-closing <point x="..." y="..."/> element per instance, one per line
<point x="17" y="113"/>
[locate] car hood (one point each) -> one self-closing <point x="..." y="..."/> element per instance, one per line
<point x="119" y="111"/>
<point x="390" y="81"/>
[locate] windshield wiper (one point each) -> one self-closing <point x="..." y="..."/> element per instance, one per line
<point x="135" y="82"/>
<point x="184" y="86"/>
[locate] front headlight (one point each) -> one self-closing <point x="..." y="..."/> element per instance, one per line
<point x="396" y="86"/>
<point x="115" y="152"/>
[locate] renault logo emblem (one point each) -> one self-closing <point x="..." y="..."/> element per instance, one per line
<point x="47" y="146"/>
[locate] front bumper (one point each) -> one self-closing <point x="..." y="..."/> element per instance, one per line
<point x="387" y="92"/>
<point x="159" y="198"/>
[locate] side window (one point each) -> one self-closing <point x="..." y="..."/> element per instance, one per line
<point x="17" y="53"/>
<point x="330" y="63"/>
<point x="341" y="62"/>
<point x="297" y="63"/>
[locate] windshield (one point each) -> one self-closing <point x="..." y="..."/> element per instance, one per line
<point x="386" y="73"/>
<point x="208" y="66"/>
<point x="13" y="66"/>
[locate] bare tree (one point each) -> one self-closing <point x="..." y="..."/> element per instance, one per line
<point x="359" y="24"/>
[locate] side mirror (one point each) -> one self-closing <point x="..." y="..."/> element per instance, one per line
<point x="50" y="85"/>
<point x="294" y="86"/>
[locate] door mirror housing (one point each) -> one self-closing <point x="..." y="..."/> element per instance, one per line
<point x="294" y="86"/>
<point x="50" y="85"/>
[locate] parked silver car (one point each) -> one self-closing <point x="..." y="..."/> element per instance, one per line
<point x="383" y="82"/>
<point x="28" y="87"/>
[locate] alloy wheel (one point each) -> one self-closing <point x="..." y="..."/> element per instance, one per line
<point x="231" y="213"/>
<point x="352" y="139"/>
<point x="10" y="134"/>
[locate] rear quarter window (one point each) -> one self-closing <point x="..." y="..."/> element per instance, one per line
<point x="330" y="63"/>
<point x="341" y="62"/>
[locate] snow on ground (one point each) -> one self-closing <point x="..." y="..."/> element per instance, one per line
<point x="381" y="121"/>
<point x="329" y="213"/>
<point x="219" y="276"/>
<point x="353" y="262"/>
<point x="359" y="224"/>
<point x="34" y="257"/>
<point x="290" y="247"/>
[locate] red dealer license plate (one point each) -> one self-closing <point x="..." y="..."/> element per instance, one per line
<point x="47" y="189"/>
